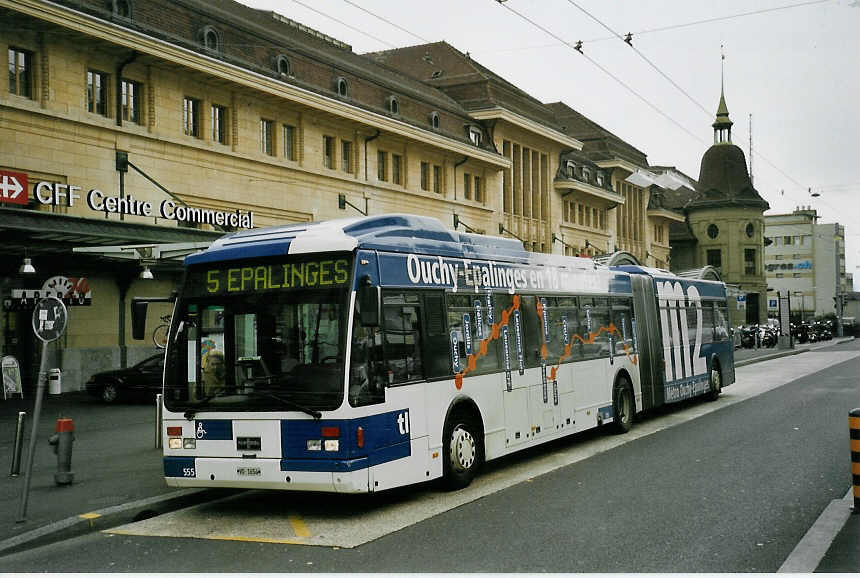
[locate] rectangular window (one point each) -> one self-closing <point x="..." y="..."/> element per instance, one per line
<point x="289" y="142"/>
<point x="266" y="137"/>
<point x="437" y="179"/>
<point x="479" y="192"/>
<point x="462" y="308"/>
<point x="97" y="83"/>
<point x="346" y="156"/>
<point x="467" y="186"/>
<point x="20" y="72"/>
<point x="130" y="101"/>
<point x="219" y="123"/>
<point x="425" y="176"/>
<point x="715" y="258"/>
<point x="328" y="152"/>
<point x="396" y="169"/>
<point x="381" y="168"/>
<point x="749" y="262"/>
<point x="191" y="116"/>
<point x="787" y="240"/>
<point x="402" y="319"/>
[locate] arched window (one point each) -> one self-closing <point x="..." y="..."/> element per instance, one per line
<point x="393" y="105"/>
<point x="341" y="86"/>
<point x="282" y="65"/>
<point x="434" y="120"/>
<point x="210" y="38"/>
<point x="475" y="135"/>
<point x="570" y="169"/>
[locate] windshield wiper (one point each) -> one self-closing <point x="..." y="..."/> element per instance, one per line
<point x="311" y="412"/>
<point x="190" y="413"/>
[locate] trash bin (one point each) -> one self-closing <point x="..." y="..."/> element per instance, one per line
<point x="55" y="381"/>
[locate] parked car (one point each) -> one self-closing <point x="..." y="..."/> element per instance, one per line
<point x="137" y="381"/>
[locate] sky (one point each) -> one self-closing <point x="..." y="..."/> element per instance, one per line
<point x="791" y="68"/>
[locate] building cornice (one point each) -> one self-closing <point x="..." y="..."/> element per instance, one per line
<point x="666" y="214"/>
<point x="617" y="164"/>
<point x="500" y="113"/>
<point x="109" y="32"/>
<point x="567" y="186"/>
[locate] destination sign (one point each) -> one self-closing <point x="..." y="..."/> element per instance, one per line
<point x="254" y="278"/>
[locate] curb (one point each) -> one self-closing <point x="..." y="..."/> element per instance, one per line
<point x="109" y="518"/>
<point x="787" y="352"/>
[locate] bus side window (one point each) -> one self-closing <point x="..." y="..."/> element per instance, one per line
<point x="462" y="309"/>
<point x="532" y="330"/>
<point x="437" y="362"/>
<point x="403" y="357"/>
<point x="708" y="328"/>
<point x="622" y="315"/>
<point x="721" y="322"/>
<point x="367" y="374"/>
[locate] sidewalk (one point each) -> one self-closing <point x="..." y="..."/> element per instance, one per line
<point x="118" y="472"/>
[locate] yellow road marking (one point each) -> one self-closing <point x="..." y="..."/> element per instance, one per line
<point x="299" y="527"/>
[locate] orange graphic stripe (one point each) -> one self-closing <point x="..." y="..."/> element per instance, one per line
<point x="472" y="361"/>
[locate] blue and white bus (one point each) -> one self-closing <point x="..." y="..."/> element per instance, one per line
<point x="363" y="354"/>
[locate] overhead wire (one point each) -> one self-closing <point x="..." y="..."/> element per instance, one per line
<point x="378" y="17"/>
<point x="342" y="23"/>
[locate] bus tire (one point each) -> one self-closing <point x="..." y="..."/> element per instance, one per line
<point x="716" y="380"/>
<point x="462" y="450"/>
<point x="622" y="405"/>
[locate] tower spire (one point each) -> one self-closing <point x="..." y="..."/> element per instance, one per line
<point x="723" y="124"/>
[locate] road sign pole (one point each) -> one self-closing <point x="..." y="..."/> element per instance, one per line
<point x="40" y="393"/>
<point x="49" y="323"/>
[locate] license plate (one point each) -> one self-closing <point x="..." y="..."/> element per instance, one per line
<point x="248" y="471"/>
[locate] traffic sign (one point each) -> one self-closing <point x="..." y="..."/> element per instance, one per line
<point x="49" y="319"/>
<point x="14" y="188"/>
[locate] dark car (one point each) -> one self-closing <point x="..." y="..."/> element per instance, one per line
<point x="138" y="381"/>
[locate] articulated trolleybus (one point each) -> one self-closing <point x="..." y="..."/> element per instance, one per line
<point x="358" y="355"/>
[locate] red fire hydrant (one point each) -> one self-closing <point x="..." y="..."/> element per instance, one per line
<point x="62" y="442"/>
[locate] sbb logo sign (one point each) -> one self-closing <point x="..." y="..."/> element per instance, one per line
<point x="13" y="188"/>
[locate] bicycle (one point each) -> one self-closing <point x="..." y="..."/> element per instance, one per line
<point x="159" y="335"/>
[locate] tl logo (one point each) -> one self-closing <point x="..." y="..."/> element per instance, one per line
<point x="403" y="422"/>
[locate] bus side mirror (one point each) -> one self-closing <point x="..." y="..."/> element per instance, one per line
<point x="369" y="303"/>
<point x="138" y="318"/>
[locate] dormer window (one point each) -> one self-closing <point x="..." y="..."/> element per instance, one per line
<point x="599" y="179"/>
<point x="393" y="105"/>
<point x="282" y="65"/>
<point x="434" y="120"/>
<point x="122" y="8"/>
<point x="475" y="135"/>
<point x="586" y="174"/>
<point x="341" y="86"/>
<point x="210" y="39"/>
<point x="570" y="169"/>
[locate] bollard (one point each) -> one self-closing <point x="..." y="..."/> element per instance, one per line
<point x="19" y="445"/>
<point x="158" y="420"/>
<point x="854" y="427"/>
<point x="62" y="442"/>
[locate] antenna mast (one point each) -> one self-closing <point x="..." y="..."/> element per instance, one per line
<point x="751" y="151"/>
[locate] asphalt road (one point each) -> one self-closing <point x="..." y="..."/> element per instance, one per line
<point x="733" y="490"/>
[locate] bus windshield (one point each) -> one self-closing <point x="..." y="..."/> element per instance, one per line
<point x="278" y="347"/>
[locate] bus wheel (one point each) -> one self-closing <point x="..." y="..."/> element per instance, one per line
<point x="462" y="451"/>
<point x="716" y="382"/>
<point x="622" y="405"/>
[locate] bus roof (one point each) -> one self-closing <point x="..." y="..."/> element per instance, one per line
<point x="399" y="233"/>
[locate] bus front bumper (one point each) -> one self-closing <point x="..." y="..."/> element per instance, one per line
<point x="342" y="476"/>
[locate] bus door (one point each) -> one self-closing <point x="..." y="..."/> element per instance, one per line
<point x="649" y="341"/>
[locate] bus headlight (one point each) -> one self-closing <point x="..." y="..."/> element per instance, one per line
<point x="332" y="445"/>
<point x="314" y="445"/>
<point x="189" y="443"/>
<point x="174" y="443"/>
